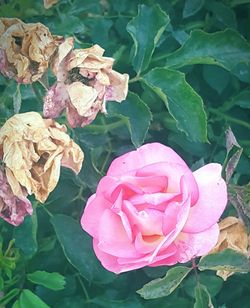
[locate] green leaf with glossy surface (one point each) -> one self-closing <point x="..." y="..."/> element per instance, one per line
<point x="146" y="29"/>
<point x="228" y="260"/>
<point x="53" y="281"/>
<point x="29" y="300"/>
<point x="183" y="103"/>
<point x="78" y="249"/>
<point x="137" y="116"/>
<point x="227" y="49"/>
<point x="164" y="286"/>
<point x="202" y="297"/>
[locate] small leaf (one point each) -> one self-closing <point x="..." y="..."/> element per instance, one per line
<point x="4" y="300"/>
<point x="227" y="49"/>
<point x="228" y="260"/>
<point x="29" y="299"/>
<point x="78" y="249"/>
<point x="146" y="29"/>
<point x="17" y="99"/>
<point x="137" y="115"/>
<point x="202" y="297"/>
<point x="183" y="103"/>
<point x="191" y="7"/>
<point x="53" y="281"/>
<point x="25" y="235"/>
<point x="223" y="14"/>
<point x="164" y="286"/>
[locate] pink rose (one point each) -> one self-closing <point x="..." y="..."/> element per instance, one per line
<point x="151" y="210"/>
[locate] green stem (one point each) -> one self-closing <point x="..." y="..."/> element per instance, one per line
<point x="135" y="79"/>
<point x="47" y="211"/>
<point x="229" y="118"/>
<point x="105" y="128"/>
<point x="83" y="287"/>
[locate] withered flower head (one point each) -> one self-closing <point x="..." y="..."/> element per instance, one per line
<point x="25" y="49"/>
<point x="12" y="208"/>
<point x="85" y="81"/>
<point x="33" y="149"/>
<point x="233" y="235"/>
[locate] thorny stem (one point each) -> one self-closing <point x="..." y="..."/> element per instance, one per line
<point x="105" y="128"/>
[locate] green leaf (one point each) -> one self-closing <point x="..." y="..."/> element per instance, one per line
<point x="202" y="297"/>
<point x="217" y="77"/>
<point x="228" y="260"/>
<point x="137" y="116"/>
<point x="146" y="29"/>
<point x="53" y="281"/>
<point x="227" y="49"/>
<point x="4" y="300"/>
<point x="29" y="299"/>
<point x="25" y="235"/>
<point x="78" y="249"/>
<point x="183" y="103"/>
<point x="164" y="286"/>
<point x="191" y="7"/>
<point x="223" y="14"/>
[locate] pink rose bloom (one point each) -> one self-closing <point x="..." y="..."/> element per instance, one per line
<point x="12" y="208"/>
<point x="151" y="209"/>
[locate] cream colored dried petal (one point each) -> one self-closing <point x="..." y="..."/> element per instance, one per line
<point x="5" y="23"/>
<point x="28" y="48"/>
<point x="118" y="89"/>
<point x="82" y="97"/>
<point x="49" y="3"/>
<point x="63" y="50"/>
<point x="233" y="235"/>
<point x="33" y="151"/>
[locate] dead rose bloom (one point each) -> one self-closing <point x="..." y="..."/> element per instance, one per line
<point x="85" y="81"/>
<point x="33" y="149"/>
<point x="233" y="235"/>
<point x="25" y="49"/>
<point x="12" y="208"/>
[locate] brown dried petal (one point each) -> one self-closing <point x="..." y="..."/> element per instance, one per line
<point x="33" y="151"/>
<point x="28" y="48"/>
<point x="233" y="235"/>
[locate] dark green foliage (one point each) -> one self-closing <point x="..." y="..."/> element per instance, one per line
<point x="189" y="67"/>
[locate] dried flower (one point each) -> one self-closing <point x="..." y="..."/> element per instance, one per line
<point x="25" y="49"/>
<point x="12" y="208"/>
<point x="85" y="81"/>
<point x="233" y="235"/>
<point x="33" y="149"/>
<point x="49" y="3"/>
